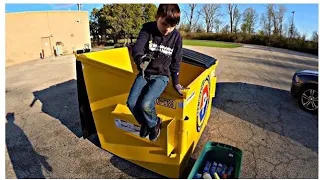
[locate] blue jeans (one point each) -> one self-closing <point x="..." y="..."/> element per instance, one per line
<point x="143" y="96"/>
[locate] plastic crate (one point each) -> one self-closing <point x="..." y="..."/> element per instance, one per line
<point x="220" y="153"/>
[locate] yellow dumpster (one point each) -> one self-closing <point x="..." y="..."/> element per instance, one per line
<point x="104" y="80"/>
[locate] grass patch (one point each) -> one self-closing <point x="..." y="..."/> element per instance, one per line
<point x="209" y="43"/>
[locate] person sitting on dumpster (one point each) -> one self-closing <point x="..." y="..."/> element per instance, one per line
<point x="157" y="54"/>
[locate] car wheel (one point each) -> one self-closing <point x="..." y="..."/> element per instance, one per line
<point x="308" y="99"/>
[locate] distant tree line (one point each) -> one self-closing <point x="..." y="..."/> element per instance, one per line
<point x="204" y="22"/>
<point x="120" y="21"/>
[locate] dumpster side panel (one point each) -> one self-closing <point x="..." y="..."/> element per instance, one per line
<point x="189" y="73"/>
<point x="197" y="107"/>
<point x="105" y="83"/>
<point x="117" y="58"/>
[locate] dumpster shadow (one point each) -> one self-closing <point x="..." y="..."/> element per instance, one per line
<point x="188" y="168"/>
<point x="138" y="172"/>
<point x="133" y="170"/>
<point x="274" y="110"/>
<point x="26" y="162"/>
<point x="61" y="102"/>
<point x="189" y="160"/>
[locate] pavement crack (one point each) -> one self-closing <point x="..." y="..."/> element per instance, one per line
<point x="255" y="169"/>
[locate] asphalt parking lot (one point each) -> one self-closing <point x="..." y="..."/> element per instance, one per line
<point x="252" y="110"/>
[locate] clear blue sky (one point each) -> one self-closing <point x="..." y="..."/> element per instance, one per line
<point x="306" y="15"/>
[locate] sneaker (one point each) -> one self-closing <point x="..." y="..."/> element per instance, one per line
<point x="144" y="131"/>
<point x="155" y="131"/>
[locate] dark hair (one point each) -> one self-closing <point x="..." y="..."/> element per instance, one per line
<point x="171" y="13"/>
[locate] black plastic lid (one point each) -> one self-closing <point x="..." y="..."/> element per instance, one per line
<point x="197" y="59"/>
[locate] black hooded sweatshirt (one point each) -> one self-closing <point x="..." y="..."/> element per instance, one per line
<point x="167" y="51"/>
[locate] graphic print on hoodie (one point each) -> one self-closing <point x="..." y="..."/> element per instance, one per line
<point x="167" y="51"/>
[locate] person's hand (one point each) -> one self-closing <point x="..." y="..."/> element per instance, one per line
<point x="144" y="65"/>
<point x="148" y="57"/>
<point x="179" y="89"/>
<point x="145" y="60"/>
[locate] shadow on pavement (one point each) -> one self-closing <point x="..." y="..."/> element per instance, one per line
<point x="26" y="162"/>
<point x="138" y="172"/>
<point x="280" y="50"/>
<point x="61" y="102"/>
<point x="291" y="64"/>
<point x="133" y="170"/>
<point x="271" y="109"/>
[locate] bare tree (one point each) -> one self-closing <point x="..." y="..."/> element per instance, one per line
<point x="269" y="19"/>
<point x="276" y="14"/>
<point x="225" y="28"/>
<point x="232" y="8"/>
<point x="183" y="27"/>
<point x="210" y="12"/>
<point x="230" y="12"/>
<point x="273" y="16"/>
<point x="191" y="20"/>
<point x="237" y="18"/>
<point x="315" y="37"/>
<point x="281" y="11"/>
<point x="303" y="37"/>
<point x="217" y="25"/>
<point x="250" y="17"/>
<point x="291" y="31"/>
<point x="199" y="28"/>
<point x="285" y="31"/>
<point x="263" y="23"/>
<point x="266" y="22"/>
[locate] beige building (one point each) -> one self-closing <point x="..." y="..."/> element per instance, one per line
<point x="32" y="35"/>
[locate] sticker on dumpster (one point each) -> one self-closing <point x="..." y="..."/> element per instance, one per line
<point x="203" y="102"/>
<point x="190" y="97"/>
<point x="166" y="102"/>
<point x="124" y="125"/>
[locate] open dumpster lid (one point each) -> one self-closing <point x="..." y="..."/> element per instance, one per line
<point x="197" y="59"/>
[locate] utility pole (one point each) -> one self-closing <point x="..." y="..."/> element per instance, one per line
<point x="293" y="17"/>
<point x="79" y="7"/>
<point x="292" y="25"/>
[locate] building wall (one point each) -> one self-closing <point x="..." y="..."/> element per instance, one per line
<point x="27" y="33"/>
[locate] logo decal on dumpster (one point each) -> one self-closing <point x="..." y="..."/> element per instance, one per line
<point x="203" y="102"/>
